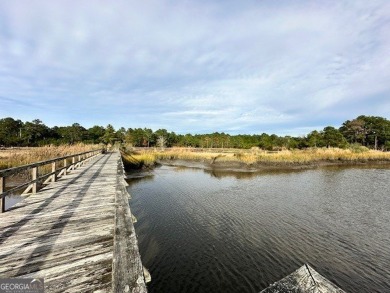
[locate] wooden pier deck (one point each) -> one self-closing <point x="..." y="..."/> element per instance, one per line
<point x="303" y="280"/>
<point x="76" y="233"/>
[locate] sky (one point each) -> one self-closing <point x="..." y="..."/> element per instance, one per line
<point x="195" y="66"/>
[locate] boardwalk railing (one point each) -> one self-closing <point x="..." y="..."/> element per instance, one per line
<point x="59" y="167"/>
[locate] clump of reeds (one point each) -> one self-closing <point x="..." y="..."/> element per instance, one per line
<point x="135" y="160"/>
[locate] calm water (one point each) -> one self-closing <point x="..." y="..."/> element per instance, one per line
<point x="201" y="231"/>
<point x="12" y="200"/>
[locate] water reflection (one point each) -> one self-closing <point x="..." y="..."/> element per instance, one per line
<point x="15" y="197"/>
<point x="135" y="176"/>
<point x="199" y="234"/>
<point x="234" y="173"/>
<point x="218" y="173"/>
<point x="12" y="200"/>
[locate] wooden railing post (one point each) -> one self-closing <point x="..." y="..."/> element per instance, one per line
<point x="65" y="166"/>
<point x="2" y="189"/>
<point x="34" y="177"/>
<point x="34" y="184"/>
<point x="53" y="169"/>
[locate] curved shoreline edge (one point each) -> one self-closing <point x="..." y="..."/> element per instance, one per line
<point x="270" y="166"/>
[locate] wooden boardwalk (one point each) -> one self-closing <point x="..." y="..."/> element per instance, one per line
<point x="305" y="279"/>
<point x="75" y="233"/>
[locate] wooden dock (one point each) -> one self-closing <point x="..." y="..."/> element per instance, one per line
<point x="76" y="233"/>
<point x="303" y="280"/>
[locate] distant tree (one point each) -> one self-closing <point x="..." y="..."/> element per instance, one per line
<point x="370" y="131"/>
<point x="386" y="146"/>
<point x="291" y="142"/>
<point x="332" y="137"/>
<point x="120" y="134"/>
<point x="301" y="142"/>
<point x="95" y="134"/>
<point x="109" y="136"/>
<point x="225" y="140"/>
<point x="172" y="139"/>
<point x="35" y="133"/>
<point x="315" y="139"/>
<point x="185" y="140"/>
<point x="161" y="141"/>
<point x="376" y="130"/>
<point x="265" y="142"/>
<point x="135" y="137"/>
<point x="73" y="134"/>
<point x="148" y="136"/>
<point x="76" y="133"/>
<point x="354" y="131"/>
<point x="205" y="141"/>
<point x="55" y="136"/>
<point x="10" y="131"/>
<point x="162" y="136"/>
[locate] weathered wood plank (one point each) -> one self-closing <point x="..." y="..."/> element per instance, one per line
<point x="75" y="272"/>
<point x="34" y="247"/>
<point x="82" y="210"/>
<point x="84" y="278"/>
<point x="305" y="279"/>
<point x="46" y="259"/>
<point x="2" y="199"/>
<point x="65" y="233"/>
<point x="72" y="225"/>
<point x="128" y="273"/>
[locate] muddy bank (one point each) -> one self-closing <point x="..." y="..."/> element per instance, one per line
<point x="270" y="166"/>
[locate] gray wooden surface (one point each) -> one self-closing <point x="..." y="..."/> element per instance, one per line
<point x="303" y="280"/>
<point x="65" y="233"/>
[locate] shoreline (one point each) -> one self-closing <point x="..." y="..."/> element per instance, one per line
<point x="250" y="161"/>
<point x="264" y="166"/>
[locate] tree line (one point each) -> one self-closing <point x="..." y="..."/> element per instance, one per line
<point x="369" y="131"/>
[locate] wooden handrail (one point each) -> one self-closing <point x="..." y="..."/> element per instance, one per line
<point x="14" y="170"/>
<point x="32" y="185"/>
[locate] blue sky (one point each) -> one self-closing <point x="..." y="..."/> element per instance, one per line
<point x="284" y="67"/>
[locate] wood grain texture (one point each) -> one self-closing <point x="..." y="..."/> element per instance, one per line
<point x="305" y="279"/>
<point x="66" y="232"/>
<point x="128" y="272"/>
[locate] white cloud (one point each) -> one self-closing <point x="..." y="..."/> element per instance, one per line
<point x="244" y="66"/>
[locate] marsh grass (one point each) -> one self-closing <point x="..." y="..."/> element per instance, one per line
<point x="22" y="156"/>
<point x="256" y="156"/>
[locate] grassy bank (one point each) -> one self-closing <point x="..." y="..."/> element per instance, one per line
<point x="141" y="158"/>
<point x="21" y="156"/>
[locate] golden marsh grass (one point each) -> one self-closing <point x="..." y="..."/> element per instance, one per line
<point x="307" y="156"/>
<point x="23" y="156"/>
